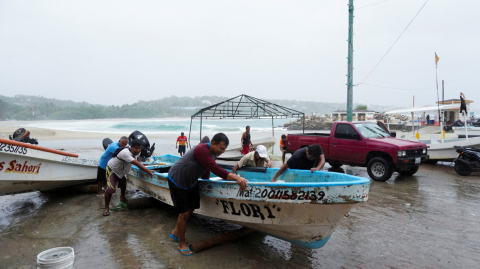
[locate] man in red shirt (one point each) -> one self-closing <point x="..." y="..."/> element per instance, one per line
<point x="246" y="141"/>
<point x="182" y="140"/>
<point x="183" y="183"/>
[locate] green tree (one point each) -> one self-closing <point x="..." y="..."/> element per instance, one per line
<point x="23" y="115"/>
<point x="60" y="115"/>
<point x="361" y="107"/>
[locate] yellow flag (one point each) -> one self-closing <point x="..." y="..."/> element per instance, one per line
<point x="436" y="58"/>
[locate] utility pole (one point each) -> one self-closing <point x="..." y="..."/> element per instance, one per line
<point x="350" y="62"/>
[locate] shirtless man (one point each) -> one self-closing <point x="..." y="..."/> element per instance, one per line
<point x="246" y="141"/>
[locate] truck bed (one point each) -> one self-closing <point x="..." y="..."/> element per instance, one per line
<point x="324" y="134"/>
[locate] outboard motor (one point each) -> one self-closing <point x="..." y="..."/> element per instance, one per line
<point x="22" y="135"/>
<point x="457" y="123"/>
<point x="147" y="151"/>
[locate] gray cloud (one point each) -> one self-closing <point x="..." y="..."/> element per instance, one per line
<point x="116" y="52"/>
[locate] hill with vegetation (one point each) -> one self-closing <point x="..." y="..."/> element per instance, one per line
<point x="28" y="107"/>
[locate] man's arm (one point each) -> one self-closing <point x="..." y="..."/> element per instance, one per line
<point x="142" y="167"/>
<point x="235" y="168"/>
<point x="176" y="144"/>
<point x="243" y="136"/>
<point x="280" y="171"/>
<point x="320" y="165"/>
<point x="269" y="163"/>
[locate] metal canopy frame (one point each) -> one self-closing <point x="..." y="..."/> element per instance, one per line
<point x="245" y="107"/>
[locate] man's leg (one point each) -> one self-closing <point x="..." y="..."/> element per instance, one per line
<point x="108" y="197"/>
<point x="180" y="229"/>
<point x="109" y="190"/>
<point x="99" y="188"/>
<point x="123" y="187"/>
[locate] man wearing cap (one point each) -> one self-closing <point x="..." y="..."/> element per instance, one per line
<point x="182" y="140"/>
<point x="255" y="158"/>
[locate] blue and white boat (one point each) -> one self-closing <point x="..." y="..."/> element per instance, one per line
<point x="304" y="209"/>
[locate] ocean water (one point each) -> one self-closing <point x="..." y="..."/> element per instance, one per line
<point x="166" y="126"/>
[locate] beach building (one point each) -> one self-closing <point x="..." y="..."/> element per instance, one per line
<point x="357" y="115"/>
<point x="453" y="114"/>
<point x="449" y="115"/>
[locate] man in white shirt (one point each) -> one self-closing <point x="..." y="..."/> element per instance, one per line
<point x="256" y="158"/>
<point x="118" y="167"/>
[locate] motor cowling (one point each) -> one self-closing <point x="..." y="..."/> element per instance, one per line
<point x="23" y="135"/>
<point x="147" y="151"/>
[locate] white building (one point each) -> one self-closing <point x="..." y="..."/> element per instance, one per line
<point x="357" y="115"/>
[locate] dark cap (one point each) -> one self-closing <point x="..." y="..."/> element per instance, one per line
<point x="284" y="137"/>
<point x="182" y="133"/>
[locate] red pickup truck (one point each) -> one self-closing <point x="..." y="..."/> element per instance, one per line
<point x="365" y="144"/>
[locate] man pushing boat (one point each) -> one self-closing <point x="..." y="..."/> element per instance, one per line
<point x="118" y="167"/>
<point x="256" y="158"/>
<point x="307" y="158"/>
<point x="183" y="182"/>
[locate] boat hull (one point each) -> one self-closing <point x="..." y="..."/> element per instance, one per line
<point x="305" y="212"/>
<point x="446" y="151"/>
<point x="471" y="131"/>
<point x="24" y="169"/>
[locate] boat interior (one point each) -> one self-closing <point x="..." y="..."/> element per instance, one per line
<point x="162" y="164"/>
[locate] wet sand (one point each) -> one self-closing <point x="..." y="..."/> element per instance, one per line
<point x="429" y="220"/>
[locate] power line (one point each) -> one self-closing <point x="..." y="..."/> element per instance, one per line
<point x="371" y="4"/>
<point x="393" y="43"/>
<point x="429" y="88"/>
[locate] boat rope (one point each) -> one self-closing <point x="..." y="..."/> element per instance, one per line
<point x="392" y="44"/>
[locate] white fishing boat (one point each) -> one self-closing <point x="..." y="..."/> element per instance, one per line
<point x="305" y="209"/>
<point x="445" y="151"/>
<point x="461" y="132"/>
<point x="25" y="167"/>
<point x="234" y="151"/>
<point x="439" y="149"/>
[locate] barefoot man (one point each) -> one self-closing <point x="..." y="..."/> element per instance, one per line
<point x="183" y="179"/>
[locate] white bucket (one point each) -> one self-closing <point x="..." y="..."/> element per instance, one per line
<point x="56" y="258"/>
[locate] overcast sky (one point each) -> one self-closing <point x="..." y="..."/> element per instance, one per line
<point x="117" y="52"/>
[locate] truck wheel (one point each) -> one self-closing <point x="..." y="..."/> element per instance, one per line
<point x="379" y="169"/>
<point x="335" y="164"/>
<point x="462" y="169"/>
<point x="409" y="171"/>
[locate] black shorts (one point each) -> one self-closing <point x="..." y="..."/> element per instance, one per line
<point x="101" y="175"/>
<point x="184" y="200"/>
<point x="181" y="149"/>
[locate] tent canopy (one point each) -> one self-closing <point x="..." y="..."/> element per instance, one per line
<point x="246" y="107"/>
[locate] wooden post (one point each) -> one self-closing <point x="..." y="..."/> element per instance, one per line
<point x="220" y="239"/>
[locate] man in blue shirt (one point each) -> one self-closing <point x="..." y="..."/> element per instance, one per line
<point x="106" y="156"/>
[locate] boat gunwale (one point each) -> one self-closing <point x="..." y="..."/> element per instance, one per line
<point x="26" y="145"/>
<point x="355" y="180"/>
